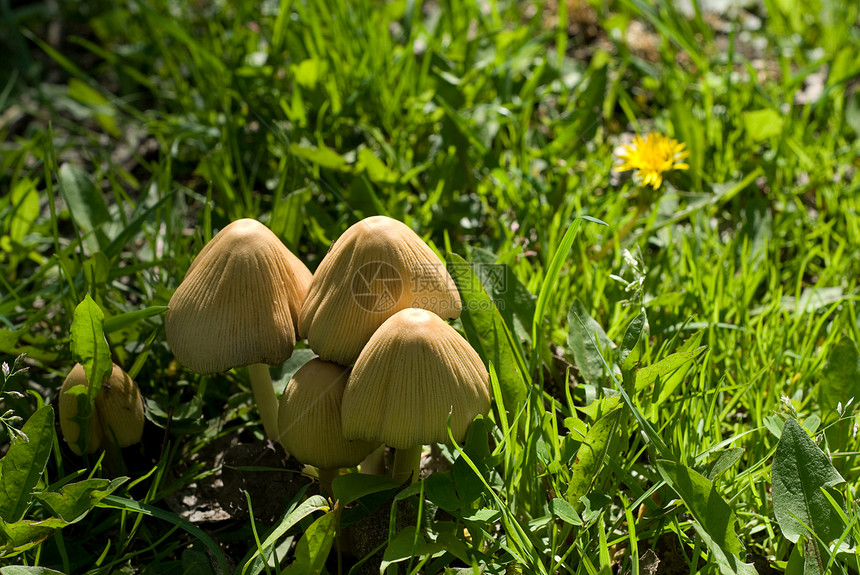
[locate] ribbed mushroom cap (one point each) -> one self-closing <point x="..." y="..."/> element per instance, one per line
<point x="309" y="418"/>
<point x="68" y="407"/>
<point x="120" y="408"/>
<point x="414" y="371"/>
<point x="239" y="301"/>
<point x="378" y="267"/>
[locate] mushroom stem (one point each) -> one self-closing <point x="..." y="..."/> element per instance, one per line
<point x="374" y="464"/>
<point x="326" y="476"/>
<point x="407" y="462"/>
<point x="264" y="396"/>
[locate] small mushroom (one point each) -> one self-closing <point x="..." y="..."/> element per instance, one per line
<point x="118" y="415"/>
<point x="309" y="419"/>
<point x="378" y="267"/>
<point x="414" y="376"/>
<point x="238" y="305"/>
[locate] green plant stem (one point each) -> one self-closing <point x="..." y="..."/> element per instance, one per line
<point x="407" y="462"/>
<point x="264" y="396"/>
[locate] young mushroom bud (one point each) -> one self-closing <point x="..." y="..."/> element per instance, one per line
<point x="120" y="407"/>
<point x="68" y="408"/>
<point x="118" y="415"/>
<point x="309" y="419"/>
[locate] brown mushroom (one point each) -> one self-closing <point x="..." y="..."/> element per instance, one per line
<point x="414" y="376"/>
<point x="118" y="415"/>
<point x="378" y="267"/>
<point x="238" y="305"/>
<point x="309" y="418"/>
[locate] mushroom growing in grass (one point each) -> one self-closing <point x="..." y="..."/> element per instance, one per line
<point x="118" y="416"/>
<point x="238" y="305"/>
<point x="415" y="375"/>
<point x="378" y="267"/>
<point x="309" y="420"/>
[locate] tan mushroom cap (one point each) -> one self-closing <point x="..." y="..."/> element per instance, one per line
<point x="414" y="371"/>
<point x="309" y="418"/>
<point x="239" y="302"/>
<point x="378" y="267"/>
<point x="118" y="415"/>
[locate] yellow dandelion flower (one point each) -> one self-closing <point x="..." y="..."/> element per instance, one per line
<point x="652" y="156"/>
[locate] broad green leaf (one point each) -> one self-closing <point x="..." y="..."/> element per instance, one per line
<point x="314" y="546"/>
<point x="89" y="348"/>
<point x="124" y="320"/>
<point x="9" y="339"/>
<point x="308" y="506"/>
<point x="25" y="210"/>
<point x="799" y="472"/>
<point x="761" y="125"/>
<point x="600" y="407"/>
<point x="487" y="332"/>
<point x="323" y="157"/>
<point x="88" y="344"/>
<point x="648" y="375"/>
<point x="814" y="557"/>
<point x="794" y="565"/>
<point x="667" y="385"/>
<point x="483" y="515"/>
<point x="86" y="202"/>
<point x="182" y="417"/>
<point x="23" y="464"/>
<point x="469" y="485"/>
<point x="408" y="543"/>
<point x="725" y="461"/>
<point x="455" y="544"/>
<point x="704" y="502"/>
<point x="105" y="112"/>
<point x="440" y="489"/>
<point x="840" y="384"/>
<point x="511" y="296"/>
<point x="375" y="168"/>
<point x="590" y="456"/>
<point x="564" y="511"/>
<point x="728" y="563"/>
<point x="21" y="535"/>
<point x="307" y="72"/>
<point x="75" y="500"/>
<point x="353" y="486"/>
<point x="588" y="343"/>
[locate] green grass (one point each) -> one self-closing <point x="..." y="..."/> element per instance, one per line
<point x="140" y="129"/>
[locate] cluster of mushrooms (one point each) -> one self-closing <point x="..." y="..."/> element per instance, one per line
<point x="390" y="370"/>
